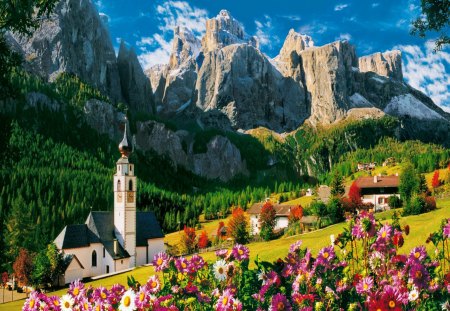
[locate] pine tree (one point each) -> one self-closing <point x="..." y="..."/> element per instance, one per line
<point x="337" y="185"/>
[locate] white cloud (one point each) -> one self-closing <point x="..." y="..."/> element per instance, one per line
<point x="313" y="28"/>
<point x="157" y="49"/>
<point x="375" y="4"/>
<point x="340" y="7"/>
<point x="294" y="18"/>
<point x="264" y="32"/>
<point x="344" y="36"/>
<point x="428" y="71"/>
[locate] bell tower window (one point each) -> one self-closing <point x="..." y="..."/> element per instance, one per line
<point x="119" y="186"/>
<point x="130" y="185"/>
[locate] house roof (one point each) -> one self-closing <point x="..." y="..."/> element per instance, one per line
<point x="99" y="228"/>
<point x="381" y="182"/>
<point x="68" y="260"/>
<point x="324" y="193"/>
<point x="281" y="210"/>
<point x="309" y="219"/>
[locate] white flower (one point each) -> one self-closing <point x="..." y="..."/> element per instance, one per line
<point x="66" y="302"/>
<point x="127" y="301"/>
<point x="413" y="295"/>
<point x="220" y="268"/>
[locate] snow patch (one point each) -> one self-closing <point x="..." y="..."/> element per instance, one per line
<point x="379" y="79"/>
<point x="359" y="101"/>
<point x="408" y="105"/>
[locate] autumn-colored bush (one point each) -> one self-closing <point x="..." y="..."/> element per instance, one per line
<point x="295" y="214"/>
<point x="238" y="226"/>
<point x="267" y="221"/>
<point x="188" y="240"/>
<point x="203" y="241"/>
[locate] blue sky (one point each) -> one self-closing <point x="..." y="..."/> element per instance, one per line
<point x="371" y="25"/>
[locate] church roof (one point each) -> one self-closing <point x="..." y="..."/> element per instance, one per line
<point x="99" y="228"/>
<point x="147" y="227"/>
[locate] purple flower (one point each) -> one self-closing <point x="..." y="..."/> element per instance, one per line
<point x="143" y="297"/>
<point x="196" y="263"/>
<point x="225" y="301"/>
<point x="280" y="303"/>
<point x="384" y="233"/>
<point x="365" y="226"/>
<point x="419" y="276"/>
<point x="240" y="252"/>
<point x="76" y="289"/>
<point x="446" y="230"/>
<point x="33" y="302"/>
<point x="153" y="284"/>
<point x="364" y="285"/>
<point x="203" y="298"/>
<point x="417" y="254"/>
<point x="295" y="247"/>
<point x="325" y="256"/>
<point x="161" y="261"/>
<point x="182" y="265"/>
<point x="393" y="297"/>
<point x="222" y="253"/>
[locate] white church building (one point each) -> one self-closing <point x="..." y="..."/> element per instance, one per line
<point x="112" y="241"/>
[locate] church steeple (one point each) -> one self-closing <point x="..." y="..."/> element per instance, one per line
<point x="124" y="148"/>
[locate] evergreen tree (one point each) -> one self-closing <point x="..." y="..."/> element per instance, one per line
<point x="337" y="185"/>
<point x="409" y="183"/>
<point x="267" y="221"/>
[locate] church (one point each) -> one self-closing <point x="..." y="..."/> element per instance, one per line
<point x="110" y="242"/>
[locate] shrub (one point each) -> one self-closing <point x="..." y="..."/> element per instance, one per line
<point x="203" y="241"/>
<point x="267" y="220"/>
<point x="335" y="210"/>
<point x="188" y="240"/>
<point x="238" y="226"/>
<point x="394" y="202"/>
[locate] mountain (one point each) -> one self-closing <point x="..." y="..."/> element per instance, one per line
<point x="75" y="40"/>
<point x="237" y="87"/>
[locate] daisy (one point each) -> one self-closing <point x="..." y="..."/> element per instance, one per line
<point x="161" y="261"/>
<point x="225" y="301"/>
<point x="240" y="252"/>
<point x="142" y="298"/>
<point x="127" y="301"/>
<point x="222" y="253"/>
<point x="153" y="284"/>
<point x="295" y="247"/>
<point x="76" y="289"/>
<point x="364" y="285"/>
<point x="413" y="295"/>
<point x="66" y="302"/>
<point x="220" y="270"/>
<point x="182" y="265"/>
<point x="280" y="303"/>
<point x="32" y="303"/>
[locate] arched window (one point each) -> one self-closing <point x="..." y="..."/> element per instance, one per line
<point x="94" y="259"/>
<point x="119" y="186"/>
<point x="130" y="185"/>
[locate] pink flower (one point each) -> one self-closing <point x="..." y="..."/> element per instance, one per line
<point x="446" y="230"/>
<point x="364" y="285"/>
<point x="280" y="303"/>
<point x="153" y="284"/>
<point x="161" y="261"/>
<point x="240" y="252"/>
<point x="182" y="265"/>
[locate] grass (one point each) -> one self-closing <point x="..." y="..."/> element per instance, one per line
<point x="304" y="201"/>
<point x="421" y="226"/>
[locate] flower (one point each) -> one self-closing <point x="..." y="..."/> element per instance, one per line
<point x="240" y="252"/>
<point x="161" y="261"/>
<point x="413" y="295"/>
<point x="446" y="230"/>
<point x="280" y="303"/>
<point x="66" y="303"/>
<point x="196" y="263"/>
<point x="127" y="303"/>
<point x="392" y="297"/>
<point x="220" y="270"/>
<point x="419" y="276"/>
<point x="364" y="285"/>
<point x="32" y="303"/>
<point x="295" y="247"/>
<point x="76" y="289"/>
<point x="153" y="284"/>
<point x="142" y="299"/>
<point x="385" y="233"/>
<point x="182" y="265"/>
<point x="225" y="301"/>
<point x="325" y="256"/>
<point x="417" y="254"/>
<point x="222" y="253"/>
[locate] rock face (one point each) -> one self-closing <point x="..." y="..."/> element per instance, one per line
<point x="224" y="30"/>
<point x="388" y="64"/>
<point x="241" y="83"/>
<point x="103" y="118"/>
<point x="222" y="160"/>
<point x="329" y="78"/>
<point x="136" y="88"/>
<point x="73" y="39"/>
<point x="157" y="75"/>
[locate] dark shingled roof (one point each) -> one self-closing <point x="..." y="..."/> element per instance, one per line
<point x="147" y="227"/>
<point x="99" y="228"/>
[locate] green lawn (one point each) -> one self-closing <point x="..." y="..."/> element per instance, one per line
<point x="421" y="226"/>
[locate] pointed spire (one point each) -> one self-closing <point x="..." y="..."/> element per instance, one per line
<point x="124" y="147"/>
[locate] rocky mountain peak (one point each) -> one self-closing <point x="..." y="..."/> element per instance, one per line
<point x="73" y="39"/>
<point x="295" y="42"/>
<point x="224" y="30"/>
<point x="388" y="64"/>
<point x="184" y="47"/>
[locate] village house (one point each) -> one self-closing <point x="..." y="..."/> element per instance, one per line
<point x="112" y="241"/>
<point x="378" y="189"/>
<point x="281" y="218"/>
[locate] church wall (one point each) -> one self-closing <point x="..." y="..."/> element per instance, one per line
<point x="73" y="272"/>
<point x="154" y="247"/>
<point x="141" y="256"/>
<point x="84" y="255"/>
<point x="122" y="264"/>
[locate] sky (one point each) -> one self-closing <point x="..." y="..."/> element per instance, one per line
<point x="370" y="25"/>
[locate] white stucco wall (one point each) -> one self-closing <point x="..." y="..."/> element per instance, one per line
<point x="154" y="247"/>
<point x="254" y="225"/>
<point x="122" y="264"/>
<point x="73" y="272"/>
<point x="281" y="223"/>
<point x="84" y="255"/>
<point x="374" y="198"/>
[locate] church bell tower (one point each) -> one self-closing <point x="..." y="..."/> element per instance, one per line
<point x="125" y="200"/>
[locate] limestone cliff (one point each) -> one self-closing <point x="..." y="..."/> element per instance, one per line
<point x="136" y="88"/>
<point x="388" y="64"/>
<point x="73" y="39"/>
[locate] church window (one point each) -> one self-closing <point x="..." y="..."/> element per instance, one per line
<point x="94" y="258"/>
<point x="131" y="168"/>
<point x="107" y="269"/>
<point x="119" y="186"/>
<point x="104" y="252"/>
<point x="130" y="185"/>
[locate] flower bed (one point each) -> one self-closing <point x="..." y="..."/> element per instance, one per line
<point x="362" y="271"/>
